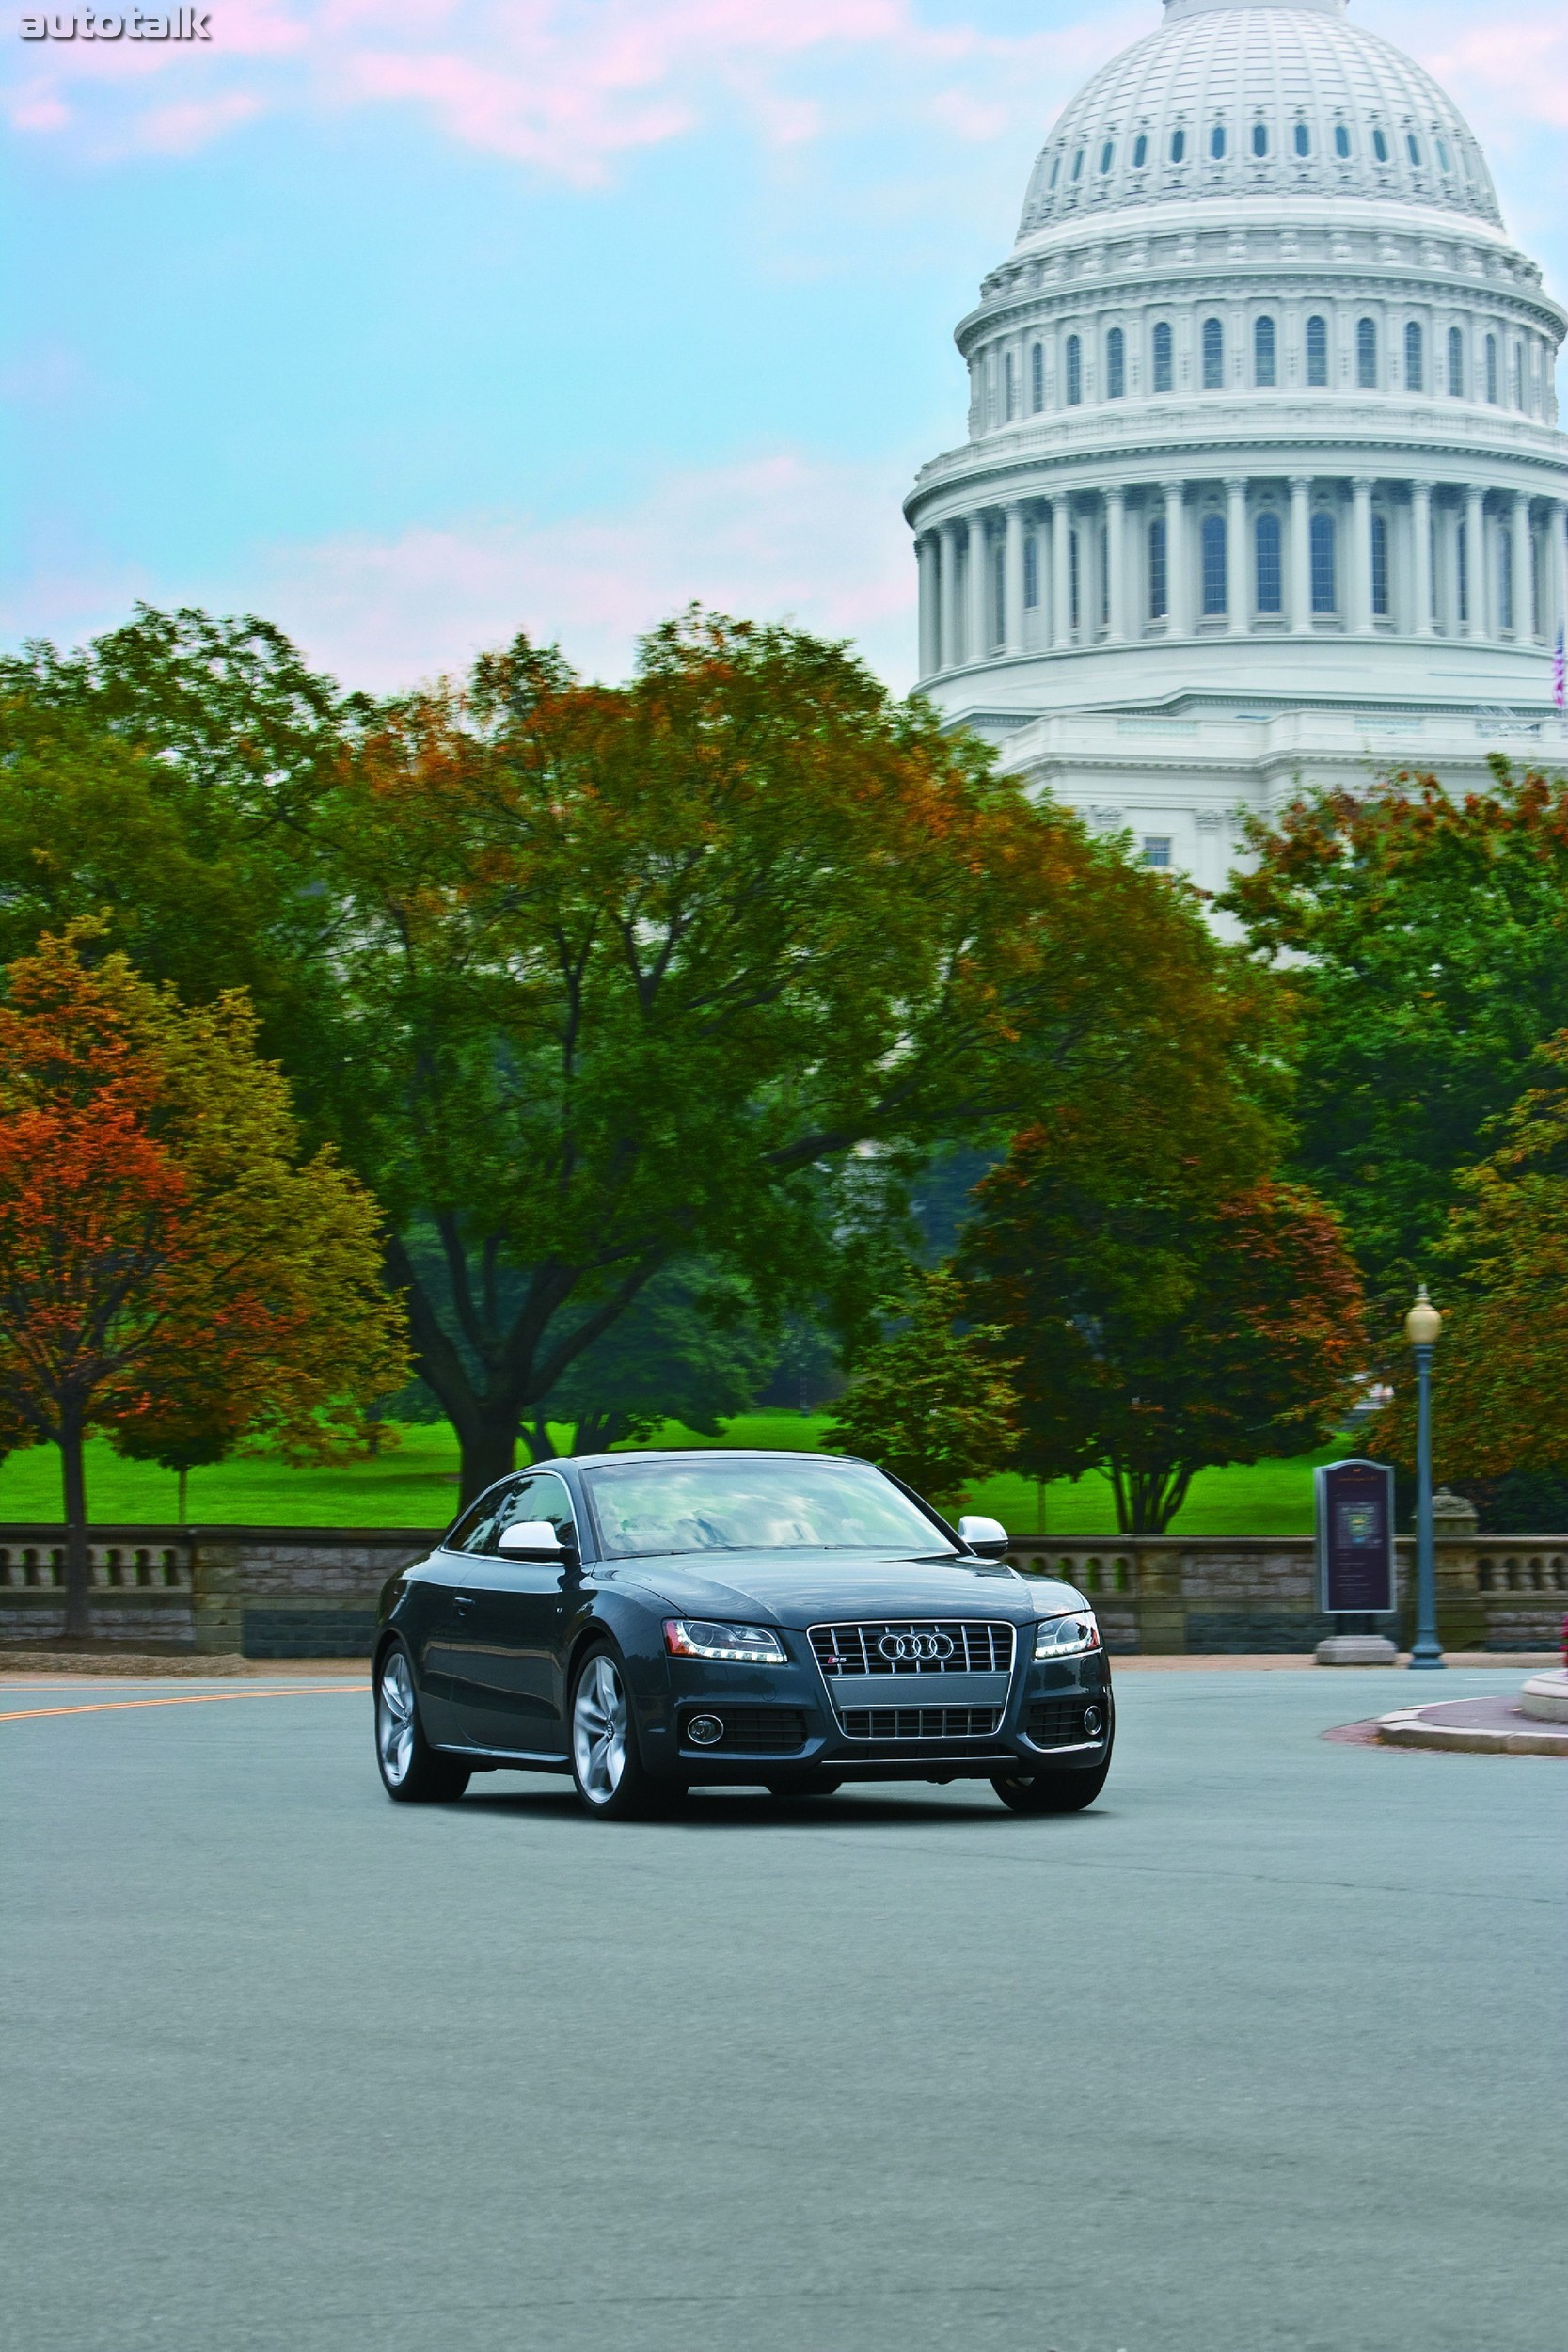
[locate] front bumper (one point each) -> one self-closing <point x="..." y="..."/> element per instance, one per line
<point x="783" y="1723"/>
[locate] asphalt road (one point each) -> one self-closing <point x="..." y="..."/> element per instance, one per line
<point x="1264" y="2051"/>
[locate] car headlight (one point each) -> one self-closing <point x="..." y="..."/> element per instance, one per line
<point x="734" y="1644"/>
<point x="1067" y="1637"/>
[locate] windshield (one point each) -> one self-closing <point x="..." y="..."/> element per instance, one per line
<point x="803" y="1504"/>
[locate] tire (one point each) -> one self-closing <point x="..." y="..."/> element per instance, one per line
<point x="788" y="1791"/>
<point x="412" y="1771"/>
<point x="606" y="1763"/>
<point x="1049" y="1792"/>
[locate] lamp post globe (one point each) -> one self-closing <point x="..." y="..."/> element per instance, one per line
<point x="1423" y="1326"/>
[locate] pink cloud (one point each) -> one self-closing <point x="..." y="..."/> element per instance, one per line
<point x="774" y="537"/>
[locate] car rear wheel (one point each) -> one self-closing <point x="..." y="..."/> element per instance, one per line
<point x="606" y="1762"/>
<point x="1050" y="1792"/>
<point x="412" y="1771"/>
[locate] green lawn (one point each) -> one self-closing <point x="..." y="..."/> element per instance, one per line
<point x="414" y="1485"/>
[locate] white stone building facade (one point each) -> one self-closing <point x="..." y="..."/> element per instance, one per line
<point x="1263" y="485"/>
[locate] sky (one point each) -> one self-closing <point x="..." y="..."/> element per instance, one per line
<point x="409" y="324"/>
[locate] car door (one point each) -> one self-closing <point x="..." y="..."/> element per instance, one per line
<point x="509" y="1617"/>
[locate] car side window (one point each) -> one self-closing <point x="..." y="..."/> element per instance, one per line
<point x="484" y="1523"/>
<point x="541" y="1495"/>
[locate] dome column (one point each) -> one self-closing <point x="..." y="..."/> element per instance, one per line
<point x="1523" y="617"/>
<point x="977" y="634"/>
<point x="1116" y="565"/>
<point x="1012" y="579"/>
<point x="1301" y="555"/>
<point x="1475" y="563"/>
<point x="1556" y="567"/>
<point x="949" y="619"/>
<point x="1179" y="609"/>
<point x="1361" y="557"/>
<point x="1420" y="570"/>
<point x="1238" y="602"/>
<point x="926" y="559"/>
<point x="1061" y="574"/>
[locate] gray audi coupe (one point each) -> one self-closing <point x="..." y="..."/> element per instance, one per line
<point x="651" y="1622"/>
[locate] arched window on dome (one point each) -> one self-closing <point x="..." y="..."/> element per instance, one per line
<point x="1107" y="155"/>
<point x="1074" y="371"/>
<point x="1075" y="579"/>
<point x="1140" y="151"/>
<point x="1078" y="164"/>
<point x="1263" y="352"/>
<point x="1259" y="138"/>
<point x="1414" y="364"/>
<point x="1303" y="139"/>
<point x="1036" y="378"/>
<point x="1505" y="579"/>
<point x="1492" y="369"/>
<point x="1380" y="145"/>
<point x="1341" y="141"/>
<point x="1009" y="394"/>
<point x="1056" y="171"/>
<point x="1380" y="566"/>
<point x="1162" y="367"/>
<point x="1115" y="364"/>
<point x="1365" y="353"/>
<point x="1213" y="356"/>
<point x="1445" y="162"/>
<point x="1270" y="572"/>
<point x="1157" y="586"/>
<point x="1031" y="572"/>
<point x="1324" y="598"/>
<point x="1178" y="146"/>
<point x="1413" y="149"/>
<point x="1216" y="142"/>
<point x="1317" y="351"/>
<point x="1212" y="540"/>
<point x="1456" y="363"/>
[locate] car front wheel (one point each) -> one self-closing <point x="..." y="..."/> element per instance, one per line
<point x="412" y="1771"/>
<point x="605" y="1764"/>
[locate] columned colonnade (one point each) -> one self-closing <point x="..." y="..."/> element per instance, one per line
<point x="1363" y="555"/>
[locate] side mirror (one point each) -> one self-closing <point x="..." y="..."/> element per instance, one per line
<point x="988" y="1537"/>
<point x="533" y="1539"/>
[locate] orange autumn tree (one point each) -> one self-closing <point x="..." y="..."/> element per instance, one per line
<point x="171" y="1272"/>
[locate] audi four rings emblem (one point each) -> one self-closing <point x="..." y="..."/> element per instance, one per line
<point x="909" y="1647"/>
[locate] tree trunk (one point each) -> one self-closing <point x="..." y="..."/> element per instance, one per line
<point x="78" y="1574"/>
<point x="184" y="1473"/>
<point x="489" y="1451"/>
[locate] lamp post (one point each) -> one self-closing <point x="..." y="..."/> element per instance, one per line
<point x="1421" y="1327"/>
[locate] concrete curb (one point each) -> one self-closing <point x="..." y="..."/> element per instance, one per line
<point x="1414" y="1727"/>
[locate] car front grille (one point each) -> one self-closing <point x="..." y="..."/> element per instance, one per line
<point x="1057" y="1723"/>
<point x="921" y="1723"/>
<point x="962" y="1645"/>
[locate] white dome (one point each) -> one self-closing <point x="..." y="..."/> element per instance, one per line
<point x="1295" y="99"/>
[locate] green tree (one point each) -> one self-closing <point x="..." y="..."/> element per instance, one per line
<point x="1425" y="939"/>
<point x="681" y="969"/>
<point x="1158" y="1322"/>
<point x="170" y="1267"/>
<point x="690" y="1348"/>
<point x="1500" y="1273"/>
<point x="934" y="1406"/>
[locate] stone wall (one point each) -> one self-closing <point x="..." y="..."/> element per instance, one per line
<point x="310" y="1592"/>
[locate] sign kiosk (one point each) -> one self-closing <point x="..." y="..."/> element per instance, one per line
<point x="1354" y="1509"/>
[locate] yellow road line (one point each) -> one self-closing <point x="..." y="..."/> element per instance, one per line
<point x="189" y="1698"/>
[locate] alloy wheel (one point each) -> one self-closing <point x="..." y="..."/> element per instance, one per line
<point x="395" y="1719"/>
<point x="599" y="1726"/>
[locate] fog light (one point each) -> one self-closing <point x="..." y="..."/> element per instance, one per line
<point x="704" y="1729"/>
<point x="1094" y="1722"/>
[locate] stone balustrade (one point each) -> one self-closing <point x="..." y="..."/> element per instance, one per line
<point x="311" y="1591"/>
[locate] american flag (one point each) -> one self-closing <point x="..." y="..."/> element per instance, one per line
<point x="1558" y="670"/>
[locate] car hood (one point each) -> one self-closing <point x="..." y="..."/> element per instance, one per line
<point x="796" y="1589"/>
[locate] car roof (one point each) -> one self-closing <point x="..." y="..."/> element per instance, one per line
<point x="690" y="1453"/>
